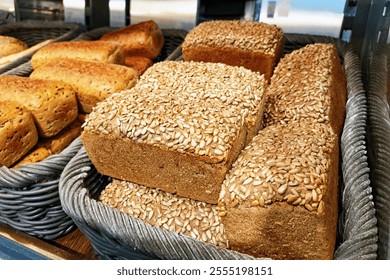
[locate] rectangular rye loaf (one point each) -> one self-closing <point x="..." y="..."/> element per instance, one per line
<point x="93" y="81"/>
<point x="53" y="104"/>
<point x="255" y="45"/>
<point x="18" y="133"/>
<point x="179" y="129"/>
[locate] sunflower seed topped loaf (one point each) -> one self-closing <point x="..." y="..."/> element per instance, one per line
<point x="99" y="51"/>
<point x="93" y="81"/>
<point x="308" y="85"/>
<point x="255" y="45"/>
<point x="53" y="104"/>
<point x="158" y="208"/>
<point x="18" y="133"/>
<point x="279" y="199"/>
<point x="177" y="130"/>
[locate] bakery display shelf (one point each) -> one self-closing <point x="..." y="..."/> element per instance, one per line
<point x="378" y="140"/>
<point x="115" y="235"/>
<point x="36" y="33"/>
<point x="173" y="39"/>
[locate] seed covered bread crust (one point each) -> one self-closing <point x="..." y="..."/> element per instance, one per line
<point x="18" y="133"/>
<point x="177" y="130"/>
<point x="10" y="45"/>
<point x="158" y="208"/>
<point x="99" y="51"/>
<point x="93" y="81"/>
<point x="141" y="39"/>
<point x="279" y="200"/>
<point x="53" y="104"/>
<point x="255" y="45"/>
<point x="308" y="85"/>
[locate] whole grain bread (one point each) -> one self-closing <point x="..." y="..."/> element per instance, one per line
<point x="308" y="85"/>
<point x="18" y="133"/>
<point x="93" y="81"/>
<point x="53" y="104"/>
<point x="255" y="45"/>
<point x="99" y="51"/>
<point x="179" y="129"/>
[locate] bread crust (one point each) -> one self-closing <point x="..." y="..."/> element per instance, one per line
<point x="93" y="81"/>
<point x="99" y="51"/>
<point x="18" y="133"/>
<point x="141" y="39"/>
<point x="10" y="45"/>
<point x="52" y="104"/>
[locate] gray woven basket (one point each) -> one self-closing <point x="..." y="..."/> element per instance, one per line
<point x="379" y="145"/>
<point x="114" y="235"/>
<point x="34" y="32"/>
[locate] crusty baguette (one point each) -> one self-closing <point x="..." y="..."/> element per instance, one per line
<point x="93" y="81"/>
<point x="99" y="51"/>
<point x="18" y="133"/>
<point x="52" y="104"/>
<point x="51" y="146"/>
<point x="141" y="39"/>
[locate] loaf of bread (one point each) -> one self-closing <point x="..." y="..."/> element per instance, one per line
<point x="278" y="201"/>
<point x="308" y="85"/>
<point x="139" y="63"/>
<point x="99" y="51"/>
<point x="158" y="208"/>
<point x="50" y="146"/>
<point x="18" y="133"/>
<point x="179" y="129"/>
<point x="141" y="39"/>
<point x="93" y="81"/>
<point x="255" y="45"/>
<point x="52" y="104"/>
<point x="10" y="45"/>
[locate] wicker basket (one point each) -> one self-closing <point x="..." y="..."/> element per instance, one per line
<point x="29" y="199"/>
<point x="114" y="235"/>
<point x="34" y="32"/>
<point x="379" y="147"/>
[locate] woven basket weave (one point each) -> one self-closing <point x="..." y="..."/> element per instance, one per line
<point x="114" y="235"/>
<point x="34" y="32"/>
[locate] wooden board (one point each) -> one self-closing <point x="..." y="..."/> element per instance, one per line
<point x="73" y="246"/>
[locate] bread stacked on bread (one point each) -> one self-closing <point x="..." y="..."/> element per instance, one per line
<point x="41" y="111"/>
<point x="278" y="197"/>
<point x="179" y="129"/>
<point x="10" y="45"/>
<point x="93" y="81"/>
<point x="254" y="45"/>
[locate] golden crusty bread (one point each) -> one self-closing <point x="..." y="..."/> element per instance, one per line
<point x="99" y="51"/>
<point x="18" y="133"/>
<point x="93" y="81"/>
<point x="51" y="146"/>
<point x="255" y="45"/>
<point x="141" y="39"/>
<point x="139" y="63"/>
<point x="53" y="104"/>
<point x="10" y="45"/>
